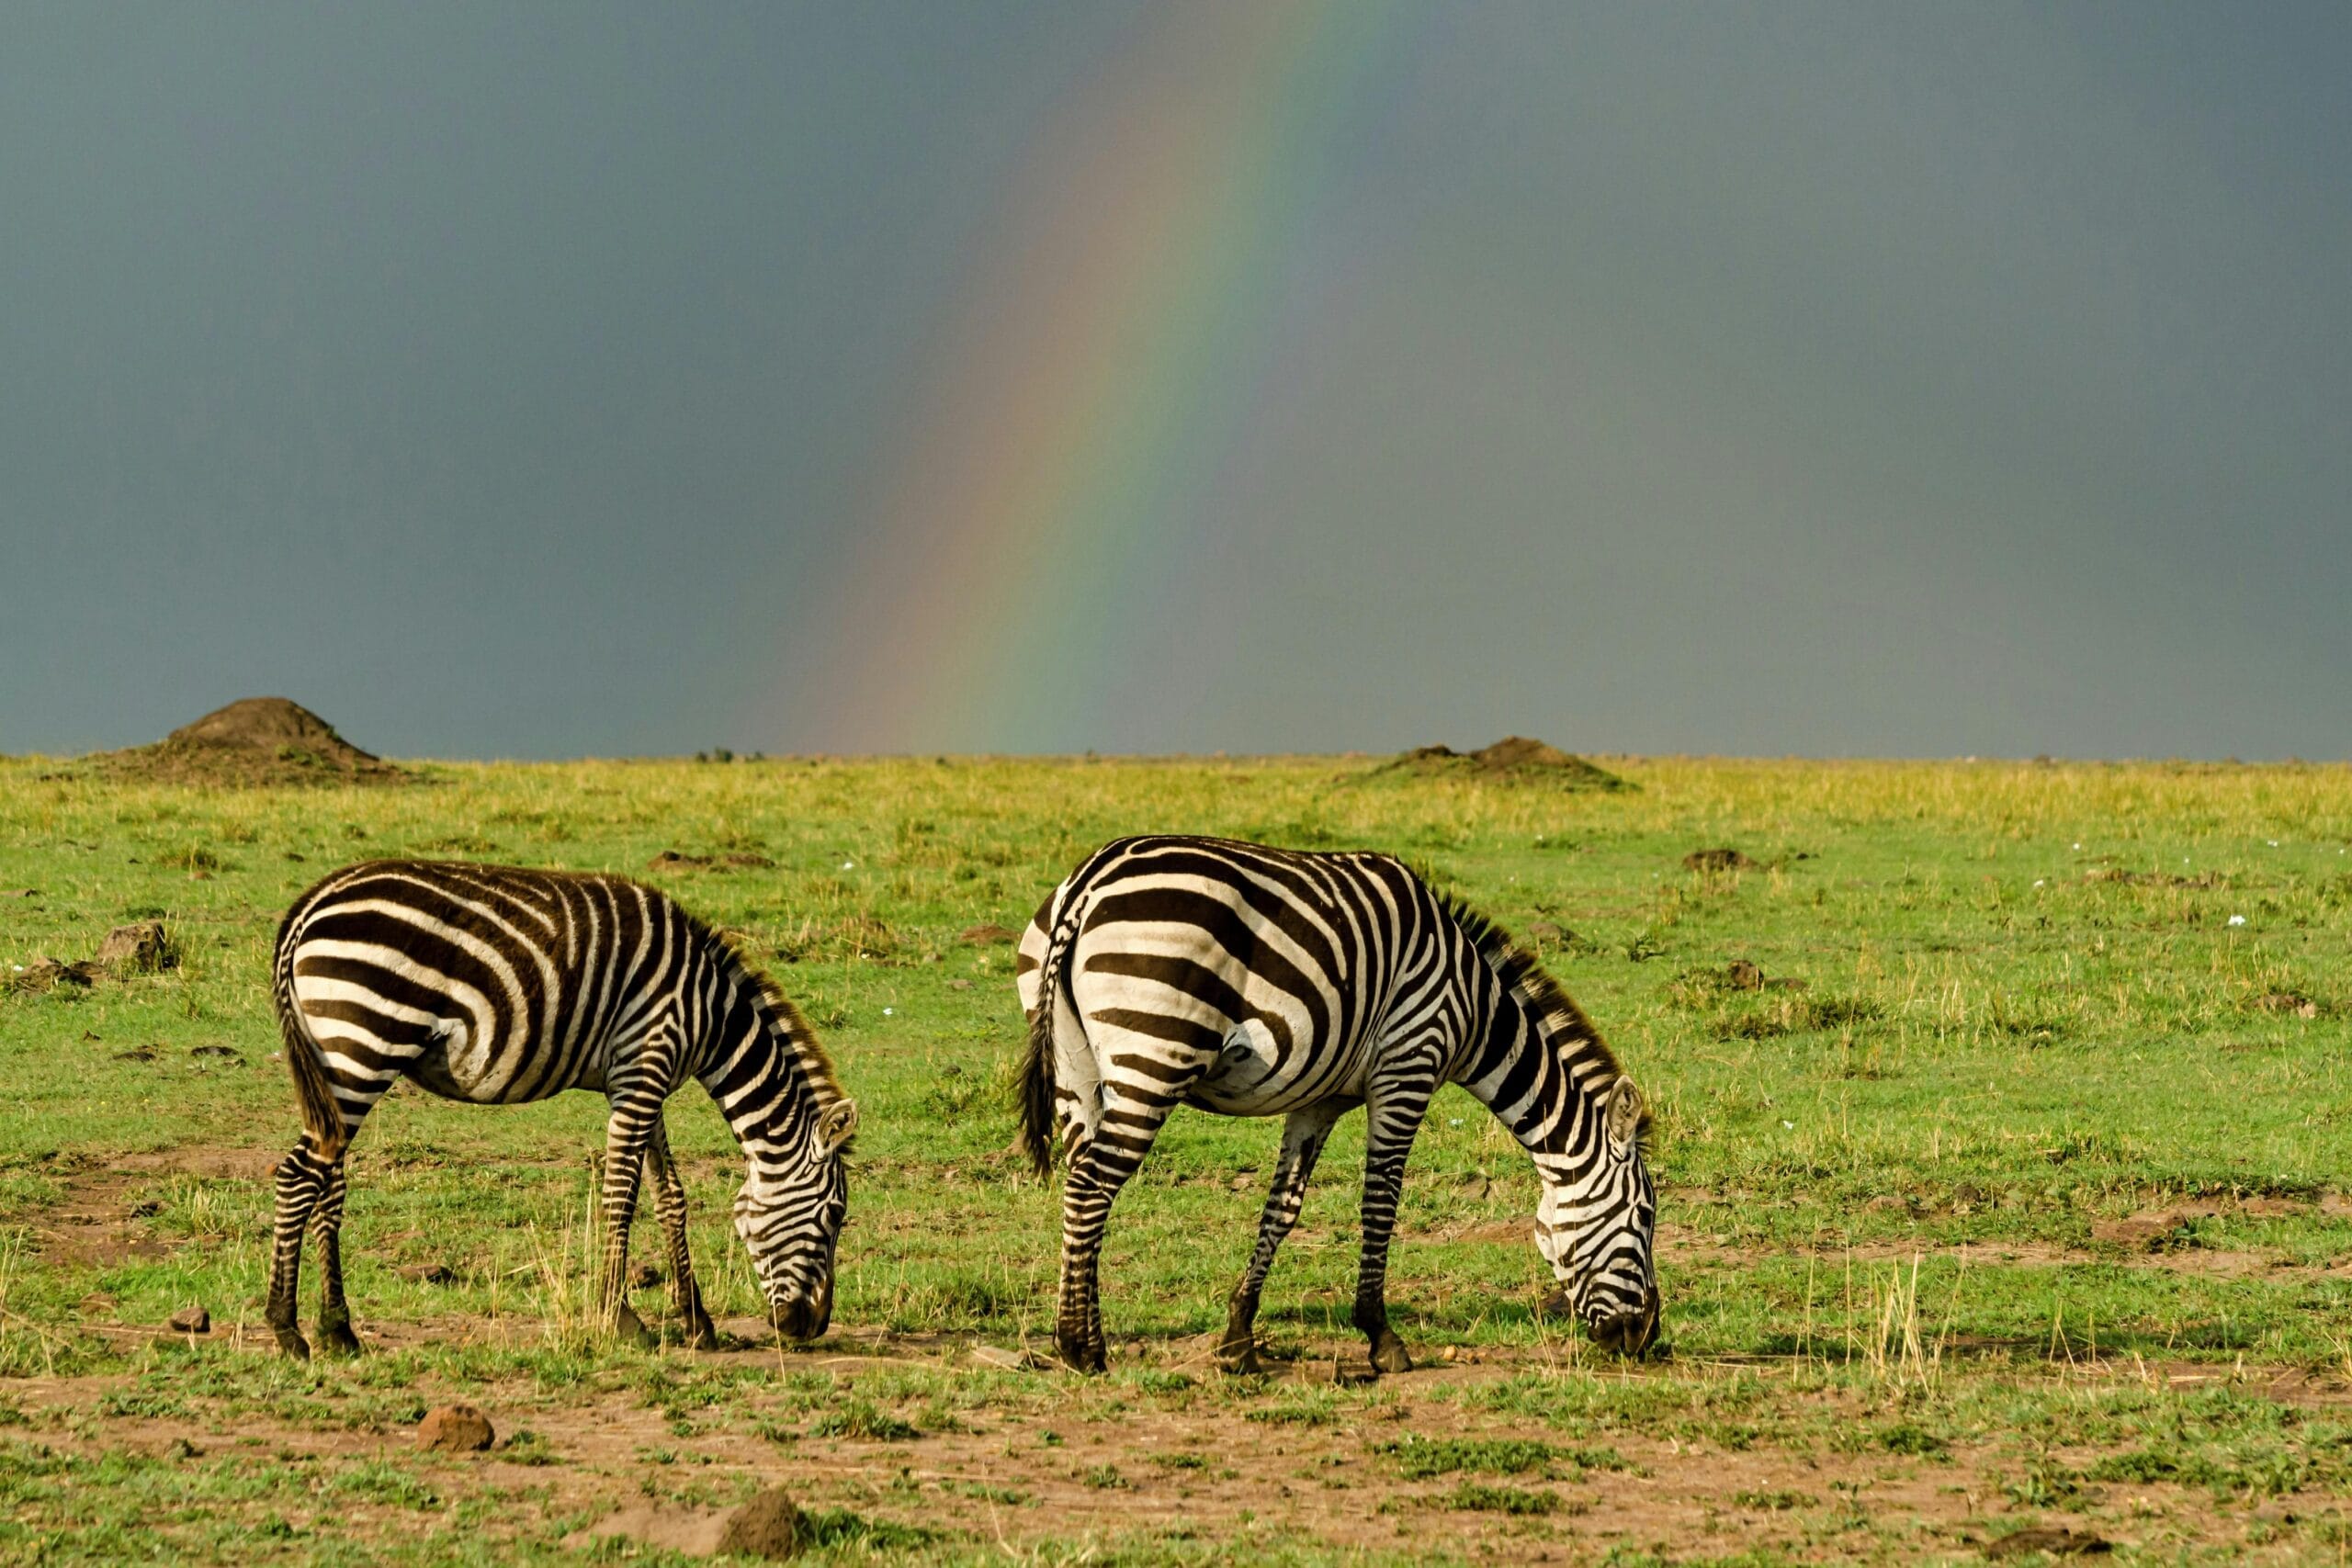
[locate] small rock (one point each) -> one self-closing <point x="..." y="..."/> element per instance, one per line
<point x="2056" y="1539"/>
<point x="988" y="936"/>
<point x="1741" y="976"/>
<point x="1716" y="860"/>
<point x="645" y="1276"/>
<point x="192" y="1320"/>
<point x="217" y="1053"/>
<point x="768" y="1526"/>
<point x="455" y="1428"/>
<point x="140" y="948"/>
<point x="428" y="1273"/>
<point x="960" y="984"/>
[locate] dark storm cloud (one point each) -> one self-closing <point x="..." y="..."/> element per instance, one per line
<point x="501" y="381"/>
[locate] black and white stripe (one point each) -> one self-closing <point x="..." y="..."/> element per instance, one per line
<point x="1252" y="981"/>
<point x="499" y="985"/>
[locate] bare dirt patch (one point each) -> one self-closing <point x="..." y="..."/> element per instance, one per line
<point x="1026" y="1461"/>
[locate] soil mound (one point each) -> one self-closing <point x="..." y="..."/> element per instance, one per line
<point x="1514" y="758"/>
<point x="256" y="741"/>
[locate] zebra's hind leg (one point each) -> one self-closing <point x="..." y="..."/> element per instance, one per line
<point x="670" y="1203"/>
<point x="1393" y="1114"/>
<point x="326" y="1227"/>
<point x="1133" y="1107"/>
<point x="1304" y="1132"/>
<point x="303" y="1177"/>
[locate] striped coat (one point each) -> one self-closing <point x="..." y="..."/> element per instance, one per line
<point x="499" y="985"/>
<point x="1252" y="981"/>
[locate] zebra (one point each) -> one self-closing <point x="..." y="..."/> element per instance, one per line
<point x="499" y="985"/>
<point x="1254" y="981"/>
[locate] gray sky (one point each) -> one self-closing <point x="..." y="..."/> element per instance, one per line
<point x="522" y="381"/>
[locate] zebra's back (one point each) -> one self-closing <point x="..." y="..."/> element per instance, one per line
<point x="490" y="984"/>
<point x="1287" y="965"/>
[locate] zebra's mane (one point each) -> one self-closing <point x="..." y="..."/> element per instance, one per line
<point x="1523" y="976"/>
<point x="815" y="1064"/>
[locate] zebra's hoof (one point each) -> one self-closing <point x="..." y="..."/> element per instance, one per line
<point x="701" y="1335"/>
<point x="337" y="1340"/>
<point x="290" y="1340"/>
<point x="1388" y="1355"/>
<point x="1243" y="1363"/>
<point x="1081" y="1356"/>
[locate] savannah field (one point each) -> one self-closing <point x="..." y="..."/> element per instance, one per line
<point x="2028" y="1210"/>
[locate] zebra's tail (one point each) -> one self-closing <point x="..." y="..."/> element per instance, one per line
<point x="322" y="1113"/>
<point x="1036" y="1086"/>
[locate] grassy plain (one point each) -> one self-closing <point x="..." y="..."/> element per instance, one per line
<point x="2030" y="1208"/>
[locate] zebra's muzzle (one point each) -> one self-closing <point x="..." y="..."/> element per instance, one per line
<point x="1629" y="1332"/>
<point x="803" y="1317"/>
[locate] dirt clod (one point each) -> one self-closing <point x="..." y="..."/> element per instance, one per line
<point x="46" y="974"/>
<point x="2140" y="1232"/>
<point x="140" y="948"/>
<point x="2293" y="1002"/>
<point x="192" y="1320"/>
<point x="1717" y="860"/>
<point x="768" y="1526"/>
<point x="2059" y="1541"/>
<point x="990" y="935"/>
<point x="429" y="1273"/>
<point x="455" y="1428"/>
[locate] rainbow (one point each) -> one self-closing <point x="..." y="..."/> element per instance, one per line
<point x="1103" y="356"/>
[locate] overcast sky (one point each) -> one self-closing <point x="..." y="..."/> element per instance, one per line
<point x="540" y="381"/>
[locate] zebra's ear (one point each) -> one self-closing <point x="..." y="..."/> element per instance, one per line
<point x="1626" y="1113"/>
<point x="837" y="1125"/>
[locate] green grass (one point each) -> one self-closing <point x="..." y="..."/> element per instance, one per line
<point x="1887" y="1191"/>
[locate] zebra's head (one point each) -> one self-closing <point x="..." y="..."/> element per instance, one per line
<point x="1595" y="1229"/>
<point x="792" y="1222"/>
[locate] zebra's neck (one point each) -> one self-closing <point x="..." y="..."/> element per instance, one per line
<point x="1541" y="1067"/>
<point x="763" y="1068"/>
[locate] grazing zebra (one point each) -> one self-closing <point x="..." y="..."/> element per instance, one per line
<point x="1252" y="981"/>
<point x="499" y="985"/>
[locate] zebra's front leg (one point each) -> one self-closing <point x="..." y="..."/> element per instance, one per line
<point x="670" y="1203"/>
<point x="1304" y="1132"/>
<point x="635" y="1111"/>
<point x="1100" y="1165"/>
<point x="302" y="1179"/>
<point x="1393" y="1117"/>
<point x="326" y="1226"/>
